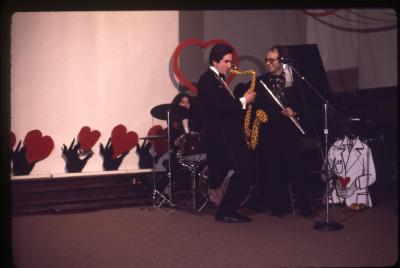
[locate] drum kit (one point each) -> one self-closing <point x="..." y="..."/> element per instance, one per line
<point x="190" y="154"/>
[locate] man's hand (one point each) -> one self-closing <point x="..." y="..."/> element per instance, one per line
<point x="249" y="96"/>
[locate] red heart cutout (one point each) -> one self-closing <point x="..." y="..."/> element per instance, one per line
<point x="122" y="141"/>
<point x="197" y="42"/>
<point x="37" y="147"/>
<point x="87" y="138"/>
<point x="13" y="140"/>
<point x="155" y="130"/>
<point x="160" y="145"/>
<point x="344" y="181"/>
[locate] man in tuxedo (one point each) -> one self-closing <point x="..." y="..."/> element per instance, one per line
<point x="224" y="139"/>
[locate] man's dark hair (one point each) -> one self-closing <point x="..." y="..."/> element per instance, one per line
<point x="218" y="51"/>
<point x="282" y="50"/>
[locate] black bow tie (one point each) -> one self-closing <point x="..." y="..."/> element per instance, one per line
<point x="222" y="76"/>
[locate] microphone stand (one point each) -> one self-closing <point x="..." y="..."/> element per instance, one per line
<point x="327" y="224"/>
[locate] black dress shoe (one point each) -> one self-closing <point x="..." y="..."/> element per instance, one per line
<point x="232" y="219"/>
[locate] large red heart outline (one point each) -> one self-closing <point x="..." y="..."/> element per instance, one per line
<point x="122" y="141"/>
<point x="344" y="181"/>
<point x="87" y="138"/>
<point x="197" y="42"/>
<point x="38" y="147"/>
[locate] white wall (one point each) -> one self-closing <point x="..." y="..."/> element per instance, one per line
<point x="252" y="32"/>
<point x="351" y="39"/>
<point x="100" y="69"/>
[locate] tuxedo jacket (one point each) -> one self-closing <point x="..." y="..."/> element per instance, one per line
<point x="222" y="122"/>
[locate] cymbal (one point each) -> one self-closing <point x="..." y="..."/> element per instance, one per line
<point x="153" y="137"/>
<point x="176" y="112"/>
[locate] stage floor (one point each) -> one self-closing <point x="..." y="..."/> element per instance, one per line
<point x="170" y="237"/>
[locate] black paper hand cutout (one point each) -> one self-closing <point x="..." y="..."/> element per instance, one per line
<point x="145" y="157"/>
<point x="20" y="163"/>
<point x="72" y="157"/>
<point x="110" y="163"/>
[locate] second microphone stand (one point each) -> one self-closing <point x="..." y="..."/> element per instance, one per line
<point x="327" y="224"/>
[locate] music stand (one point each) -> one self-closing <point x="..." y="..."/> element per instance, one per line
<point x="167" y="112"/>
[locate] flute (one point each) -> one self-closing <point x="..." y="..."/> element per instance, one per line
<point x="297" y="124"/>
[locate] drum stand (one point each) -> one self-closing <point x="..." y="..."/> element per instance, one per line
<point x="193" y="168"/>
<point x="157" y="197"/>
<point x="160" y="198"/>
<point x="163" y="112"/>
<point x="204" y="204"/>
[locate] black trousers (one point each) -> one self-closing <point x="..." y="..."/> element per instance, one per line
<point x="237" y="191"/>
<point x="239" y="160"/>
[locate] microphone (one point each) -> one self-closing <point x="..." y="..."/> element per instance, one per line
<point x="288" y="75"/>
<point x="286" y="60"/>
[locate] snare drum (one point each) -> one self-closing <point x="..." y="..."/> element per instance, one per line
<point x="191" y="147"/>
